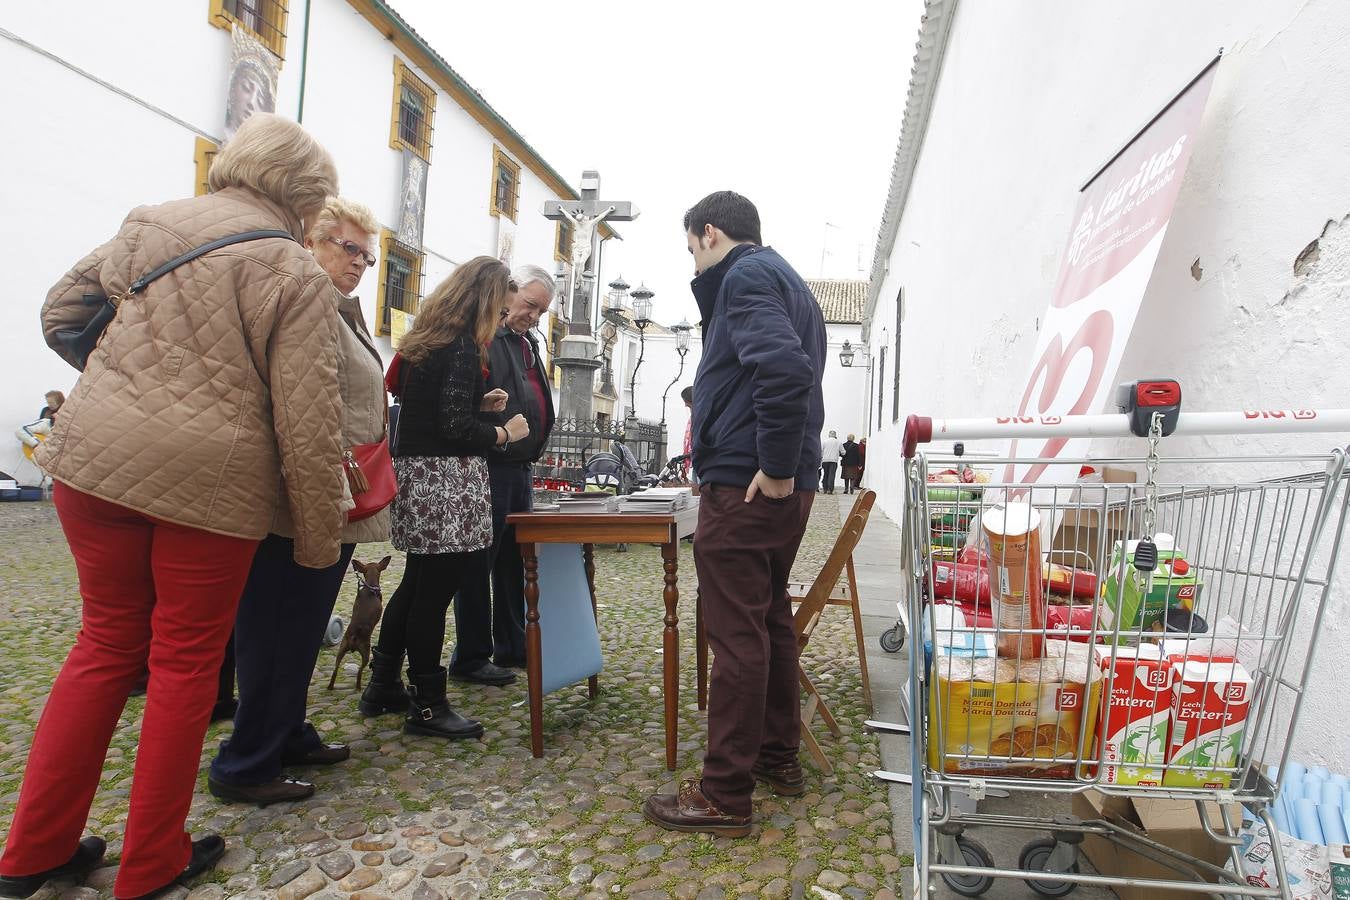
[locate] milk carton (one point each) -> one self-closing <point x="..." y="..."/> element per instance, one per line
<point x="1136" y="715"/>
<point x="1209" y="714"/>
<point x="1340" y="871"/>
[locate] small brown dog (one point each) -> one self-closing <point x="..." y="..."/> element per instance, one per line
<point x="366" y="612"/>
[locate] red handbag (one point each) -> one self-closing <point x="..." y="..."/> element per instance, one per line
<point x="370" y="474"/>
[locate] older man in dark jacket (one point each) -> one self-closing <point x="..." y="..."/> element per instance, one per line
<point x="758" y="411"/>
<point x="492" y="627"/>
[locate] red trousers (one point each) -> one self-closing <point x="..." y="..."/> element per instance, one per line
<point x="154" y="594"/>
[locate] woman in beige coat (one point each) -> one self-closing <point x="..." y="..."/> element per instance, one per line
<point x="204" y="390"/>
<point x="285" y="607"/>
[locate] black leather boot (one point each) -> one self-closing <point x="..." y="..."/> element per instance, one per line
<point x="385" y="692"/>
<point x="430" y="714"/>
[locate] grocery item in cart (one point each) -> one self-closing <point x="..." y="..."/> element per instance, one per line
<point x="1013" y="717"/>
<point x="1209" y="713"/>
<point x="1076" y="622"/>
<point x="1066" y="581"/>
<point x="1136" y="714"/>
<point x="1339" y="864"/>
<point x="1134" y="607"/>
<point x="1013" y="532"/>
<point x="961" y="581"/>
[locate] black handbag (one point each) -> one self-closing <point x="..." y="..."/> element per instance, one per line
<point x="80" y="342"/>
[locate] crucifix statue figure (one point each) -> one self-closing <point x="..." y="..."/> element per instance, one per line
<point x="583" y="233"/>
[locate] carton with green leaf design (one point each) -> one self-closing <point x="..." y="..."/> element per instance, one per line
<point x="1210" y="699"/>
<point x="1136" y="716"/>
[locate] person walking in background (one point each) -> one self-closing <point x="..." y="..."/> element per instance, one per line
<point x="862" y="461"/>
<point x="851" y="459"/>
<point x="829" y="462"/>
<point x="442" y="514"/>
<point x="285" y="607"/>
<point x="28" y="434"/>
<point x="206" y="393"/>
<point x="491" y="628"/>
<point x="758" y="411"/>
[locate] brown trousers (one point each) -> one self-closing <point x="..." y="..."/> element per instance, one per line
<point x="744" y="554"/>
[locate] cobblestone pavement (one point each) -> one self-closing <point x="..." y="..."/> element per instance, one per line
<point x="419" y="818"/>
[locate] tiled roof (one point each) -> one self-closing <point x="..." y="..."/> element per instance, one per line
<point x="841" y="299"/>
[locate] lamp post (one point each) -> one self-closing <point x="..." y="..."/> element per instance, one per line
<point x="607" y="335"/>
<point x="846" y="355"/>
<point x="681" y="347"/>
<point x="642" y="317"/>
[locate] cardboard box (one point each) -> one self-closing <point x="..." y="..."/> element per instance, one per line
<point x="1087" y="530"/>
<point x="1174" y="823"/>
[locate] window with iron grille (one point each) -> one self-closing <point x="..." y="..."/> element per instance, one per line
<point x="881" y="386"/>
<point x="203" y="154"/>
<point x="400" y="281"/>
<point x="264" y="19"/>
<point x="413" y="114"/>
<point x="505" y="185"/>
<point x="562" y="242"/>
<point x="895" y="361"/>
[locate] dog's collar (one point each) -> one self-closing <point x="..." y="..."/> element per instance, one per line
<point x="374" y="589"/>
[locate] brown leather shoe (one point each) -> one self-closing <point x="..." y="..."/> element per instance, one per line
<point x="278" y="790"/>
<point x="691" y="811"/>
<point x="322" y="755"/>
<point x="785" y="781"/>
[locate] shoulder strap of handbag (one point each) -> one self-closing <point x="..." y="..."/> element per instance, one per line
<point x="144" y="281"/>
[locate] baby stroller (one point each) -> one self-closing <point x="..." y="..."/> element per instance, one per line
<point x="616" y="471"/>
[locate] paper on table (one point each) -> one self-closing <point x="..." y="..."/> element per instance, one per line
<point x="571" y="643"/>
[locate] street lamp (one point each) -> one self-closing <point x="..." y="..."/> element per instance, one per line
<point x="846" y="355"/>
<point x="642" y="317"/>
<point x="681" y="347"/>
<point x="618" y="292"/>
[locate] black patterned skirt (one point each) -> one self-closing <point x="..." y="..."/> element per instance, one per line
<point x="443" y="504"/>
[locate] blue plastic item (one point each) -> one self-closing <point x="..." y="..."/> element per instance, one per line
<point x="1308" y="822"/>
<point x="1333" y="825"/>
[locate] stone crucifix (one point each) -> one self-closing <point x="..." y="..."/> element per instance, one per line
<point x="577" y="354"/>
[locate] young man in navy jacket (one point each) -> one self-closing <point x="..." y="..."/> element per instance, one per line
<point x="757" y="416"/>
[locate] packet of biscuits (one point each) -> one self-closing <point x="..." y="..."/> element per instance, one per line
<point x="1024" y="717"/>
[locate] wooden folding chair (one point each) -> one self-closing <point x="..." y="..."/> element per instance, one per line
<point x="846" y="594"/>
<point x="812" y="603"/>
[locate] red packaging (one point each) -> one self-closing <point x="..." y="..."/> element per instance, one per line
<point x="959" y="581"/>
<point x="1076" y="620"/>
<point x="1066" y="581"/>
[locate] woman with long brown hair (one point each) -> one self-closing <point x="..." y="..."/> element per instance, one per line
<point x="442" y="515"/>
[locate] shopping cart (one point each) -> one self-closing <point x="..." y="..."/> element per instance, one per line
<point x="1219" y="568"/>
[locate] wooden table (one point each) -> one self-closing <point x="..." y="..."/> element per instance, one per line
<point x="589" y="529"/>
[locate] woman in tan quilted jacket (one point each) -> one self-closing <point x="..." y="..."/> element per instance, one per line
<point x="285" y="608"/>
<point x="205" y="390"/>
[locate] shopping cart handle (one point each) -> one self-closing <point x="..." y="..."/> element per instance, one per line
<point x="918" y="430"/>
<point x="923" y="429"/>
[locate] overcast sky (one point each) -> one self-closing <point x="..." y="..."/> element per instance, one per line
<point x="797" y="105"/>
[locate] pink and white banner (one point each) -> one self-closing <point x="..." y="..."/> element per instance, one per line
<point x="1119" y="226"/>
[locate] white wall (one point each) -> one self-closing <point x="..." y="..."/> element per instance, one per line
<point x="88" y="155"/>
<point x="1014" y="133"/>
